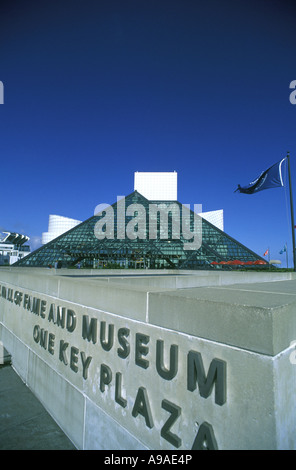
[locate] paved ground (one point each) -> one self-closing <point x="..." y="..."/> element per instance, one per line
<point x="24" y="423"/>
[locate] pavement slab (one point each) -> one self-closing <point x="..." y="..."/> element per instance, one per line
<point x="24" y="422"/>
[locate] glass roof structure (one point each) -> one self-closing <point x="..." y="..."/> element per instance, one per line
<point x="136" y="232"/>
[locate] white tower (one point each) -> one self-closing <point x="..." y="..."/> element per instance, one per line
<point x="157" y="186"/>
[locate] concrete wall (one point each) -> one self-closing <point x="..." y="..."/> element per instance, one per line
<point x="150" y="360"/>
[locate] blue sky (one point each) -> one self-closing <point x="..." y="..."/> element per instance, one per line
<point x="97" y="89"/>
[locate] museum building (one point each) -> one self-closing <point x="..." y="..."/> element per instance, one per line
<point x="136" y="232"/>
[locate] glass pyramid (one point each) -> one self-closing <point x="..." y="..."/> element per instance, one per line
<point x="125" y="241"/>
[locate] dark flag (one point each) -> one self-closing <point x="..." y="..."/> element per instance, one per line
<point x="270" y="178"/>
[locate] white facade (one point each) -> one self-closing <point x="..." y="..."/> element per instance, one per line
<point x="163" y="186"/>
<point x="215" y="218"/>
<point x="157" y="186"/>
<point x="57" y="225"/>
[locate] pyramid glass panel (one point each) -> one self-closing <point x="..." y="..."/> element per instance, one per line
<point x="135" y="232"/>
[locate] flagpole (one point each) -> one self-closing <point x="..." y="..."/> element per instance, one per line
<point x="292" y="212"/>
